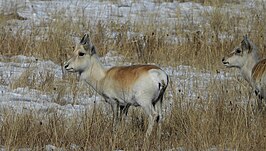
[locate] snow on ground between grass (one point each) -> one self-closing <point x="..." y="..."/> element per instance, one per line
<point x="24" y="98"/>
<point x="166" y="14"/>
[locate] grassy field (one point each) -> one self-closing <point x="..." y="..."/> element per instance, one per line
<point x="220" y="122"/>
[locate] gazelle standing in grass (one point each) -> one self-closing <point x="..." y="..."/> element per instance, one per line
<point x="121" y="86"/>
<point x="245" y="58"/>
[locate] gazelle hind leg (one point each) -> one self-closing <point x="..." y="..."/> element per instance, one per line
<point x="159" y="109"/>
<point x="160" y="116"/>
<point x="149" y="109"/>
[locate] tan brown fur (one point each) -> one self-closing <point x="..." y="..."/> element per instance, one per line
<point x="126" y="75"/>
<point x="259" y="70"/>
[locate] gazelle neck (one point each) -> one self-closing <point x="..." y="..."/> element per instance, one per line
<point x="94" y="74"/>
<point x="246" y="70"/>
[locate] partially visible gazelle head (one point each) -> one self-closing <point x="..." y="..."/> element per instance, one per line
<point x="245" y="58"/>
<point x="241" y="55"/>
<point x="82" y="54"/>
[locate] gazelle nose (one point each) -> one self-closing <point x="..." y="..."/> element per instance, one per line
<point x="66" y="65"/>
<point x="223" y="59"/>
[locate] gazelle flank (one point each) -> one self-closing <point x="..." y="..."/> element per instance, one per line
<point x="245" y="58"/>
<point x="121" y="86"/>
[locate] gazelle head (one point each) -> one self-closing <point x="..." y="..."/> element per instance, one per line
<point x="241" y="54"/>
<point x="82" y="55"/>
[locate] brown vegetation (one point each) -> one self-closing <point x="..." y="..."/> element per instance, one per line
<point x="221" y="122"/>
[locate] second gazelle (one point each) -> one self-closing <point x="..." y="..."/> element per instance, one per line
<point x="121" y="86"/>
<point x="245" y="58"/>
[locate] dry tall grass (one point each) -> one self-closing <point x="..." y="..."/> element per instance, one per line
<point x="221" y="122"/>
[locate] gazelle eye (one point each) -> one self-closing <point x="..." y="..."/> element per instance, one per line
<point x="81" y="54"/>
<point x="238" y="51"/>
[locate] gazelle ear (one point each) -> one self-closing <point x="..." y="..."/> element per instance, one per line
<point x="88" y="46"/>
<point x="85" y="39"/>
<point x="246" y="44"/>
<point x="86" y="43"/>
<point x="93" y="50"/>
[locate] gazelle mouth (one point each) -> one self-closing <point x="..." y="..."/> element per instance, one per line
<point x="226" y="64"/>
<point x="70" y="69"/>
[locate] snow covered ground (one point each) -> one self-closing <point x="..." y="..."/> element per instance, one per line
<point x="166" y="15"/>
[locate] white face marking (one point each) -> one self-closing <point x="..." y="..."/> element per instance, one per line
<point x="236" y="58"/>
<point x="239" y="56"/>
<point x="79" y="61"/>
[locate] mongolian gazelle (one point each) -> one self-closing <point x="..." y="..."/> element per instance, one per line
<point x="121" y="86"/>
<point x="245" y="58"/>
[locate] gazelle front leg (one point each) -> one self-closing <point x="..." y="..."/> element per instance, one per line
<point x="123" y="111"/>
<point x="259" y="100"/>
<point x="115" y="116"/>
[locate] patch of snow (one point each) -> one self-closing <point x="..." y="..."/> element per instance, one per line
<point x="13" y="70"/>
<point x="52" y="148"/>
<point x="168" y="14"/>
<point x="40" y="12"/>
